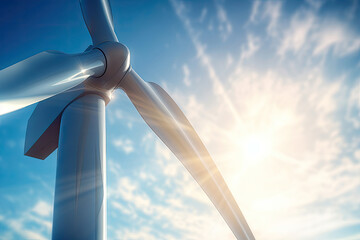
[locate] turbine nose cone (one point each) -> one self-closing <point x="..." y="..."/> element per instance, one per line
<point x="117" y="58"/>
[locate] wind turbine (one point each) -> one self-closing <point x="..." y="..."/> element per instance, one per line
<point x="72" y="91"/>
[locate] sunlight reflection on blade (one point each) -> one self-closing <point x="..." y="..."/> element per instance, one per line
<point x="44" y="75"/>
<point x="166" y="119"/>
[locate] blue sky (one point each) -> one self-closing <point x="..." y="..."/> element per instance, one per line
<point x="272" y="87"/>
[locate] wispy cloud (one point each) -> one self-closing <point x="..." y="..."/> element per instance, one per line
<point x="218" y="87"/>
<point x="353" y="8"/>
<point x="254" y="10"/>
<point x="252" y="45"/>
<point x="297" y="34"/>
<point x="124" y="144"/>
<point x="186" y="72"/>
<point x="42" y="208"/>
<point x="318" y="36"/>
<point x="203" y="15"/>
<point x="316" y="4"/>
<point x="267" y="12"/>
<point x="225" y="26"/>
<point x="353" y="106"/>
<point x="272" y="12"/>
<point x="29" y="225"/>
<point x="335" y="35"/>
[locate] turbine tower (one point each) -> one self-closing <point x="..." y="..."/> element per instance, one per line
<point x="72" y="91"/>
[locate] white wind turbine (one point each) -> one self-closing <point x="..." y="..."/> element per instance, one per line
<point x="74" y="90"/>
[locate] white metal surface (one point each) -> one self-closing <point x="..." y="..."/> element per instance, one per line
<point x="167" y="120"/>
<point x="44" y="75"/>
<point x="80" y="193"/>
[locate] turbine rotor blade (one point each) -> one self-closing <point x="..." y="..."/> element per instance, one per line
<point x="99" y="21"/>
<point x="44" y="75"/>
<point x="166" y="119"/>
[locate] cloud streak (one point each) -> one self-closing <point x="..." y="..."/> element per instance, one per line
<point x="218" y="88"/>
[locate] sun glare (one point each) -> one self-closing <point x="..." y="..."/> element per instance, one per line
<point x="255" y="148"/>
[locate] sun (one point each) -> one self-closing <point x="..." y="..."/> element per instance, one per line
<point x="255" y="148"/>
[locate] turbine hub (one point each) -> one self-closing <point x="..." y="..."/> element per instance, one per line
<point x="117" y="58"/>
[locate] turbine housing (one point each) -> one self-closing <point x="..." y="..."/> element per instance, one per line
<point x="117" y="58"/>
<point x="43" y="126"/>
